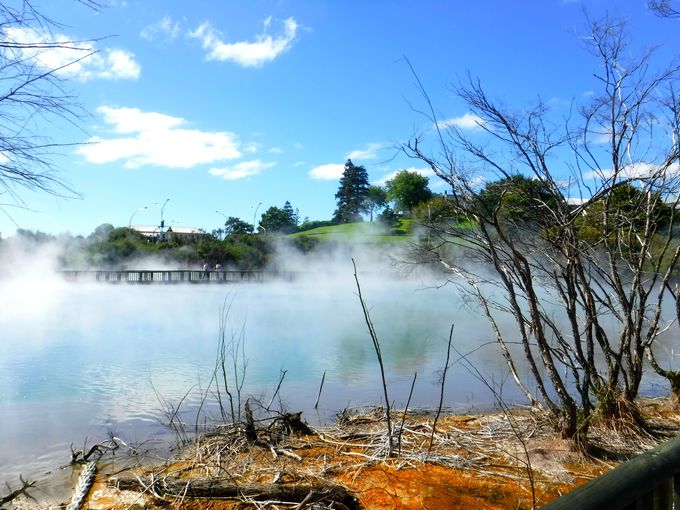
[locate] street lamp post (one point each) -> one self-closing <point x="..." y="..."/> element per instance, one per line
<point x="162" y="225"/>
<point x="255" y="214"/>
<point x="133" y="215"/>
<point x="223" y="215"/>
<point x="225" y="221"/>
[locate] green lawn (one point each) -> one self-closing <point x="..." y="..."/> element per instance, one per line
<point x="361" y="233"/>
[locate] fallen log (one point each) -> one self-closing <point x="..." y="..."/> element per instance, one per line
<point x="223" y="489"/>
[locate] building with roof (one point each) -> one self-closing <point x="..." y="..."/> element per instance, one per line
<point x="153" y="233"/>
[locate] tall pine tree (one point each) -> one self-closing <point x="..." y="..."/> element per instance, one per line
<point x="352" y="194"/>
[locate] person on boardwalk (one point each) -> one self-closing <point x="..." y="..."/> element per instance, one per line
<point x="206" y="270"/>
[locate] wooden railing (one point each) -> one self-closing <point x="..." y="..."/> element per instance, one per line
<point x="649" y="481"/>
<point x="173" y="276"/>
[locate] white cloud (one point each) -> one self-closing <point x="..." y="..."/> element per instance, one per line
<point x="637" y="171"/>
<point x="427" y="172"/>
<point x="114" y="65"/>
<point x="156" y="139"/>
<point x="298" y="145"/>
<point x="264" y="48"/>
<point x="298" y="164"/>
<point x="275" y="150"/>
<point x="467" y="121"/>
<point x="328" y="172"/>
<point x="163" y="28"/>
<point x="602" y="138"/>
<point x="79" y="60"/>
<point x="370" y="152"/>
<point x="130" y="120"/>
<point x="252" y="147"/>
<point x="241" y="170"/>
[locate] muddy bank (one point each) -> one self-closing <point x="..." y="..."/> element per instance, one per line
<point x="488" y="461"/>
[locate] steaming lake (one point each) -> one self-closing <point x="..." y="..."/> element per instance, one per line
<point x="79" y="360"/>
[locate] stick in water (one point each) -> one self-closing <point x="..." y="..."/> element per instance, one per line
<point x="323" y="378"/>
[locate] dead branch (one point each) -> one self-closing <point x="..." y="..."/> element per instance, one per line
<point x="441" y="393"/>
<point x="25" y="485"/>
<point x="378" y="353"/>
<point x="221" y="489"/>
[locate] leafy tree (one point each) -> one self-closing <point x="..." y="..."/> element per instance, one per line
<point x="388" y="217"/>
<point x="518" y="199"/>
<point x="305" y="244"/>
<point x="101" y="233"/>
<point x="35" y="237"/>
<point x="237" y="227"/>
<point x="408" y="189"/>
<point x="121" y="244"/>
<point x="277" y="219"/>
<point x="352" y="193"/>
<point x="438" y="209"/>
<point x="624" y="210"/>
<point x="376" y="199"/>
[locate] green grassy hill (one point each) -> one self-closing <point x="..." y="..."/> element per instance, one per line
<point x="361" y="233"/>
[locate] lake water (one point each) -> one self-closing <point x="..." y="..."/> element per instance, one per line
<point x="80" y="361"/>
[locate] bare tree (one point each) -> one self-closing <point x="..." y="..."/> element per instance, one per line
<point x="32" y="93"/>
<point x="585" y="274"/>
<point x="664" y="8"/>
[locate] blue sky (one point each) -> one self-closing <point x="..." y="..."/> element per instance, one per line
<point x="235" y="106"/>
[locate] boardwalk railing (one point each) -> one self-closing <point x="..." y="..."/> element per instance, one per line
<point x="173" y="276"/>
<point x="649" y="481"/>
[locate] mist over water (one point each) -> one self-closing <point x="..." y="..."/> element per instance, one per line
<point x="81" y="360"/>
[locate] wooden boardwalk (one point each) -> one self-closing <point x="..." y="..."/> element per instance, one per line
<point x="173" y="276"/>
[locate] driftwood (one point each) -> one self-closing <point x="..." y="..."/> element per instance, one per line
<point x="292" y="423"/>
<point x="25" y="485"/>
<point x="222" y="489"/>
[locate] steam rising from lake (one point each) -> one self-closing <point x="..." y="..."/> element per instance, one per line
<point x="80" y="360"/>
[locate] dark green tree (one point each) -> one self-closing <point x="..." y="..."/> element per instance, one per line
<point x="293" y="214"/>
<point x="277" y="219"/>
<point x="352" y="193"/>
<point x="518" y="199"/>
<point x="437" y="210"/>
<point x="237" y="227"/>
<point x="101" y="233"/>
<point x="376" y="199"/>
<point x="625" y="210"/>
<point x="119" y="246"/>
<point x="407" y="189"/>
<point x="388" y="217"/>
<point x="35" y="237"/>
